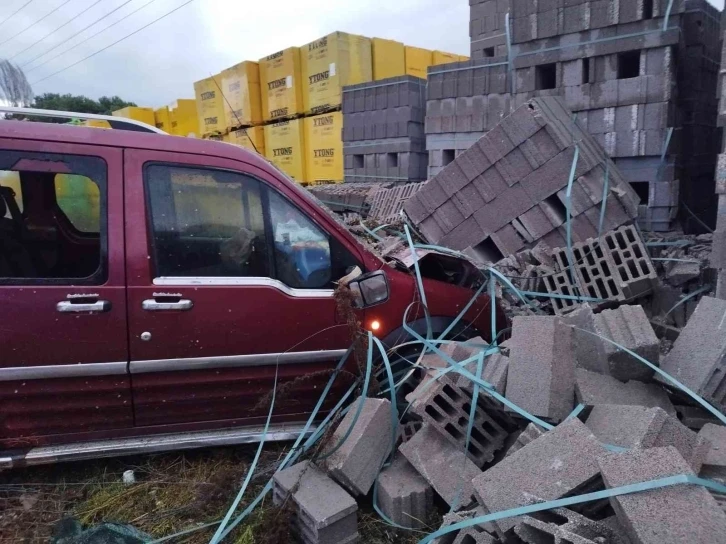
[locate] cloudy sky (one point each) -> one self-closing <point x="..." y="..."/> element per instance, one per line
<point x="160" y="63"/>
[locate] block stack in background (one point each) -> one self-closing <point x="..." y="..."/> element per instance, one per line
<point x="640" y="84"/>
<point x="718" y="255"/>
<point x="383" y="134"/>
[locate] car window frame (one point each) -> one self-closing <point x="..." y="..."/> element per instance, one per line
<point x="97" y="173"/>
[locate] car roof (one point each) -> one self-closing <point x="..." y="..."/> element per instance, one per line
<point x="64" y="133"/>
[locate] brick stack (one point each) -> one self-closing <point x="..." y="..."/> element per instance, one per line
<point x="718" y="257"/>
<point x="487" y="27"/>
<point x="628" y="79"/>
<point x="383" y="131"/>
<point x="508" y="191"/>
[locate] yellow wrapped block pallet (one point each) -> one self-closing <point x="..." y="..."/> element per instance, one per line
<point x="145" y="115"/>
<point x="162" y="119"/>
<point x="329" y="64"/>
<point x="184" y="120"/>
<point x="242" y="103"/>
<point x="439" y="57"/>
<point x="210" y="105"/>
<point x="418" y="61"/>
<point x="285" y="148"/>
<point x="96" y="123"/>
<point x="281" y="84"/>
<point x="389" y="58"/>
<point x="324" y="148"/>
<point x="463" y="58"/>
<point x="252" y="138"/>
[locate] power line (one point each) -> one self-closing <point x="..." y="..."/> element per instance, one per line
<point x="21" y="8"/>
<point x="56" y="30"/>
<point x="35" y="23"/>
<point x="114" y="43"/>
<point x="87" y="39"/>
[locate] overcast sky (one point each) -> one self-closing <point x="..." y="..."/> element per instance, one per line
<point x="160" y="63"/>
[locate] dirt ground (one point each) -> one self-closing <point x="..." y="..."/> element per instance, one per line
<point x="174" y="492"/>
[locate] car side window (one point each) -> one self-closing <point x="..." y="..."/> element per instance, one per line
<point x="52" y="225"/>
<point x="301" y="249"/>
<point x="206" y="223"/>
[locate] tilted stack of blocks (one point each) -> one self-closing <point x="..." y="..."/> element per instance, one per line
<point x="383" y="131"/>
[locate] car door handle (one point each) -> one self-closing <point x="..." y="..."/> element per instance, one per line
<point x="151" y="305"/>
<point x="83" y="307"/>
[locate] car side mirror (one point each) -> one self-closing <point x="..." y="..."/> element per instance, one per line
<point x="369" y="289"/>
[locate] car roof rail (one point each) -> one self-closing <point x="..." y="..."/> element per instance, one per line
<point x="119" y="123"/>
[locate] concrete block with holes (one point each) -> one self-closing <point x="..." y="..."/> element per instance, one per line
<point x="559" y="463"/>
<point x="443" y="465"/>
<point x="564" y="526"/>
<point x="403" y="495"/>
<point x="669" y="515"/>
<point x="357" y="462"/>
<point x="541" y="374"/>
<point x="698" y="357"/>
<point x="446" y="406"/>
<point x="324" y="512"/>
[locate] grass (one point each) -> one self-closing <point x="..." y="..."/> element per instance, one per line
<point x="173" y="492"/>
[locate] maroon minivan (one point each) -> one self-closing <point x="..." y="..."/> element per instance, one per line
<point x="151" y="284"/>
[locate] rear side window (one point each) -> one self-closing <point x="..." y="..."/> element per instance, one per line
<point x="52" y="219"/>
<point x="206" y="223"/>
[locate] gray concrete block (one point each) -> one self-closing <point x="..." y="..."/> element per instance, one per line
<point x="541" y="367"/>
<point x="714" y="465"/>
<point x="442" y="465"/>
<point x="563" y="526"/>
<point x="626" y="426"/>
<point x="403" y="495"/>
<point x="530" y="433"/>
<point x="698" y="357"/>
<point x="668" y="515"/>
<point x="592" y="389"/>
<point x="550" y="467"/>
<point x="326" y="514"/>
<point x="690" y="445"/>
<point x="681" y="273"/>
<point x="357" y="463"/>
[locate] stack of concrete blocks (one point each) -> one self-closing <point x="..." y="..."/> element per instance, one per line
<point x="323" y="512"/>
<point x="386" y="204"/>
<point x="383" y="131"/>
<point x="698" y="357"/>
<point x="487" y="27"/>
<point x="718" y="256"/>
<point x="508" y="191"/>
<point x="464" y="100"/>
<point x="631" y="77"/>
<point x="346" y="198"/>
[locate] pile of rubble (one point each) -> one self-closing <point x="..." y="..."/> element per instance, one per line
<point x="630" y="426"/>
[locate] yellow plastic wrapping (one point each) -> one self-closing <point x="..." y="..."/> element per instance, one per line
<point x="324" y="148"/>
<point x="145" y="115"/>
<point x="329" y="64"/>
<point x="96" y="123"/>
<point x="162" y="119"/>
<point x="252" y="138"/>
<point x="184" y="119"/>
<point x="285" y="147"/>
<point x="242" y="103"/>
<point x="389" y="58"/>
<point x="463" y="58"/>
<point x="210" y="108"/>
<point x="440" y="57"/>
<point x="281" y="84"/>
<point x="418" y="61"/>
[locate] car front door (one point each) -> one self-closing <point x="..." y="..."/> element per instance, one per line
<point x="228" y="280"/>
<point x="63" y="367"/>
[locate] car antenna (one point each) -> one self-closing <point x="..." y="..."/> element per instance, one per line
<point x="234" y="112"/>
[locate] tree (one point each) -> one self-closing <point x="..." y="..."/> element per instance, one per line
<point x="14" y="87"/>
<point x="78" y="103"/>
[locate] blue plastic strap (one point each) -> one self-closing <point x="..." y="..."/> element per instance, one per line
<point x="562" y="297"/>
<point x="419" y="281"/>
<point x="579" y="499"/>
<point x="389" y="371"/>
<point x="676" y="243"/>
<point x="462" y="313"/>
<point x="371" y="232"/>
<point x="669" y="260"/>
<point x="667" y="15"/>
<point x="697" y="292"/>
<point x="605" y="189"/>
<point x="568" y="226"/>
<point x="576" y="412"/>
<point x="510" y="58"/>
<point x="667" y="376"/>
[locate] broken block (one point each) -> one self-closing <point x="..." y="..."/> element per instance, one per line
<point x="325" y="513"/>
<point x="626" y="426"/>
<point x="496" y="367"/>
<point x="403" y="495"/>
<point x="442" y="465"/>
<point x="714" y="466"/>
<point x="564" y="526"/>
<point x="541" y="371"/>
<point x="692" y="447"/>
<point x="357" y="462"/>
<point x="472" y="535"/>
<point x="683" y="272"/>
<point x="446" y="406"/>
<point x="698" y="357"/>
<point x="669" y="515"/>
<point x="592" y="388"/>
<point x="557" y="464"/>
<point x="531" y="432"/>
